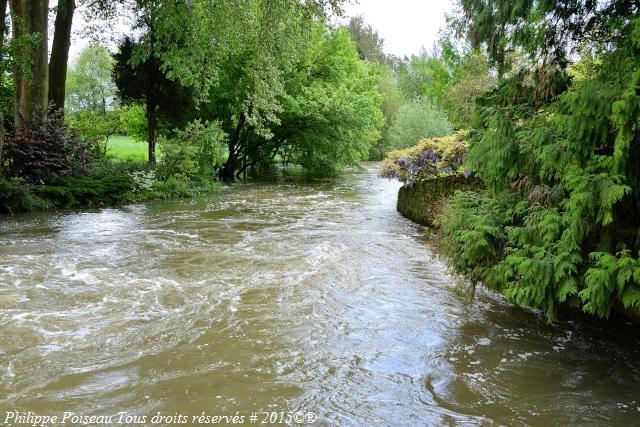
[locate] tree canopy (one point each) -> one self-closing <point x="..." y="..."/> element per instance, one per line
<point x="89" y="81"/>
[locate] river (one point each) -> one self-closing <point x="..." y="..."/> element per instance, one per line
<point x="295" y="295"/>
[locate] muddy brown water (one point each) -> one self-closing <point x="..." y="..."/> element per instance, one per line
<point x="287" y="296"/>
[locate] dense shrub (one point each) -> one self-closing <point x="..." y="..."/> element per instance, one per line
<point x="92" y="126"/>
<point x="69" y="191"/>
<point x="193" y="153"/>
<point x="430" y="158"/>
<point x="133" y="121"/>
<point x="47" y="148"/>
<point x="173" y="187"/>
<point x="109" y="167"/>
<point x="416" y="120"/>
<point x="16" y="196"/>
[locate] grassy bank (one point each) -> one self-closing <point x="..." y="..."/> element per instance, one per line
<point x="124" y="176"/>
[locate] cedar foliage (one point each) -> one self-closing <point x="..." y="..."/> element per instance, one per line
<point x="557" y="146"/>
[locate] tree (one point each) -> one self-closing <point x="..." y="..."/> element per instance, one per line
<point x="367" y="40"/>
<point x="104" y="11"/>
<point x="3" y="18"/>
<point x="559" y="156"/>
<point x="60" y="52"/>
<point x="416" y="120"/>
<point x="146" y="82"/>
<point x="30" y="19"/>
<point x="392" y="101"/>
<point x="251" y="78"/>
<point x="331" y="111"/>
<point x="90" y="82"/>
<point x="471" y="78"/>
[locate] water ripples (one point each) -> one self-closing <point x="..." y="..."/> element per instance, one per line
<point x="293" y="295"/>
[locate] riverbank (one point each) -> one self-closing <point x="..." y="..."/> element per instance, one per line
<point x="17" y="196"/>
<point x="423" y="204"/>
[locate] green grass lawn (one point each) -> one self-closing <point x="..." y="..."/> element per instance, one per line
<point x="126" y="148"/>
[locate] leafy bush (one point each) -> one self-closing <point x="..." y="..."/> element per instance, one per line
<point x="7" y="101"/>
<point x="430" y="158"/>
<point x="143" y="180"/>
<point x="69" y="191"/>
<point x="92" y="126"/>
<point x="173" y="187"/>
<point x="133" y="121"/>
<point x="47" y="148"/>
<point x="193" y="153"/>
<point x="16" y="196"/>
<point x="109" y="167"/>
<point x="416" y="120"/>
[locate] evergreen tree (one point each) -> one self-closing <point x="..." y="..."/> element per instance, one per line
<point x="146" y="82"/>
<point x="558" y="150"/>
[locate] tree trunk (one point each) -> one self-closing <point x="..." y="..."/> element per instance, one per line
<point x="3" y="17"/>
<point x="152" y="126"/>
<point x="227" y="173"/>
<point x="60" y="52"/>
<point x="31" y="93"/>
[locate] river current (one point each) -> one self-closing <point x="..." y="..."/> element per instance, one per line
<point x="286" y="296"/>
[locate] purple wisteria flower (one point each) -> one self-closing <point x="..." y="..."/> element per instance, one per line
<point x="446" y="170"/>
<point x="466" y="174"/>
<point x="429" y="155"/>
<point x="402" y="162"/>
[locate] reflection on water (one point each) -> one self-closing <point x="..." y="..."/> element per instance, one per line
<point x="296" y="295"/>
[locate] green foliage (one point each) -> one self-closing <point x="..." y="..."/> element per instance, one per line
<point x="92" y="126"/>
<point x="16" y="196"/>
<point x="178" y="187"/>
<point x="392" y="100"/>
<point x="173" y="187"/>
<point x="423" y="76"/>
<point x="147" y="81"/>
<point x="416" y="120"/>
<point x="471" y="79"/>
<point x="612" y="277"/>
<point x="143" y="180"/>
<point x="70" y="191"/>
<point x="89" y="86"/>
<point x="7" y="101"/>
<point x="302" y="95"/>
<point x="558" y="223"/>
<point x="195" y="152"/>
<point x="331" y="111"/>
<point x="119" y="165"/>
<point x="133" y="121"/>
<point x="367" y="40"/>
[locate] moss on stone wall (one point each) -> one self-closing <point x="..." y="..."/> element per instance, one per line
<point x="421" y="202"/>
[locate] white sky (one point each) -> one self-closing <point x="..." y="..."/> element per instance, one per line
<point x="405" y="25"/>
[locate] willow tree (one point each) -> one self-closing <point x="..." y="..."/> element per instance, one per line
<point x="558" y="148"/>
<point x="265" y="42"/>
<point x="330" y="110"/>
